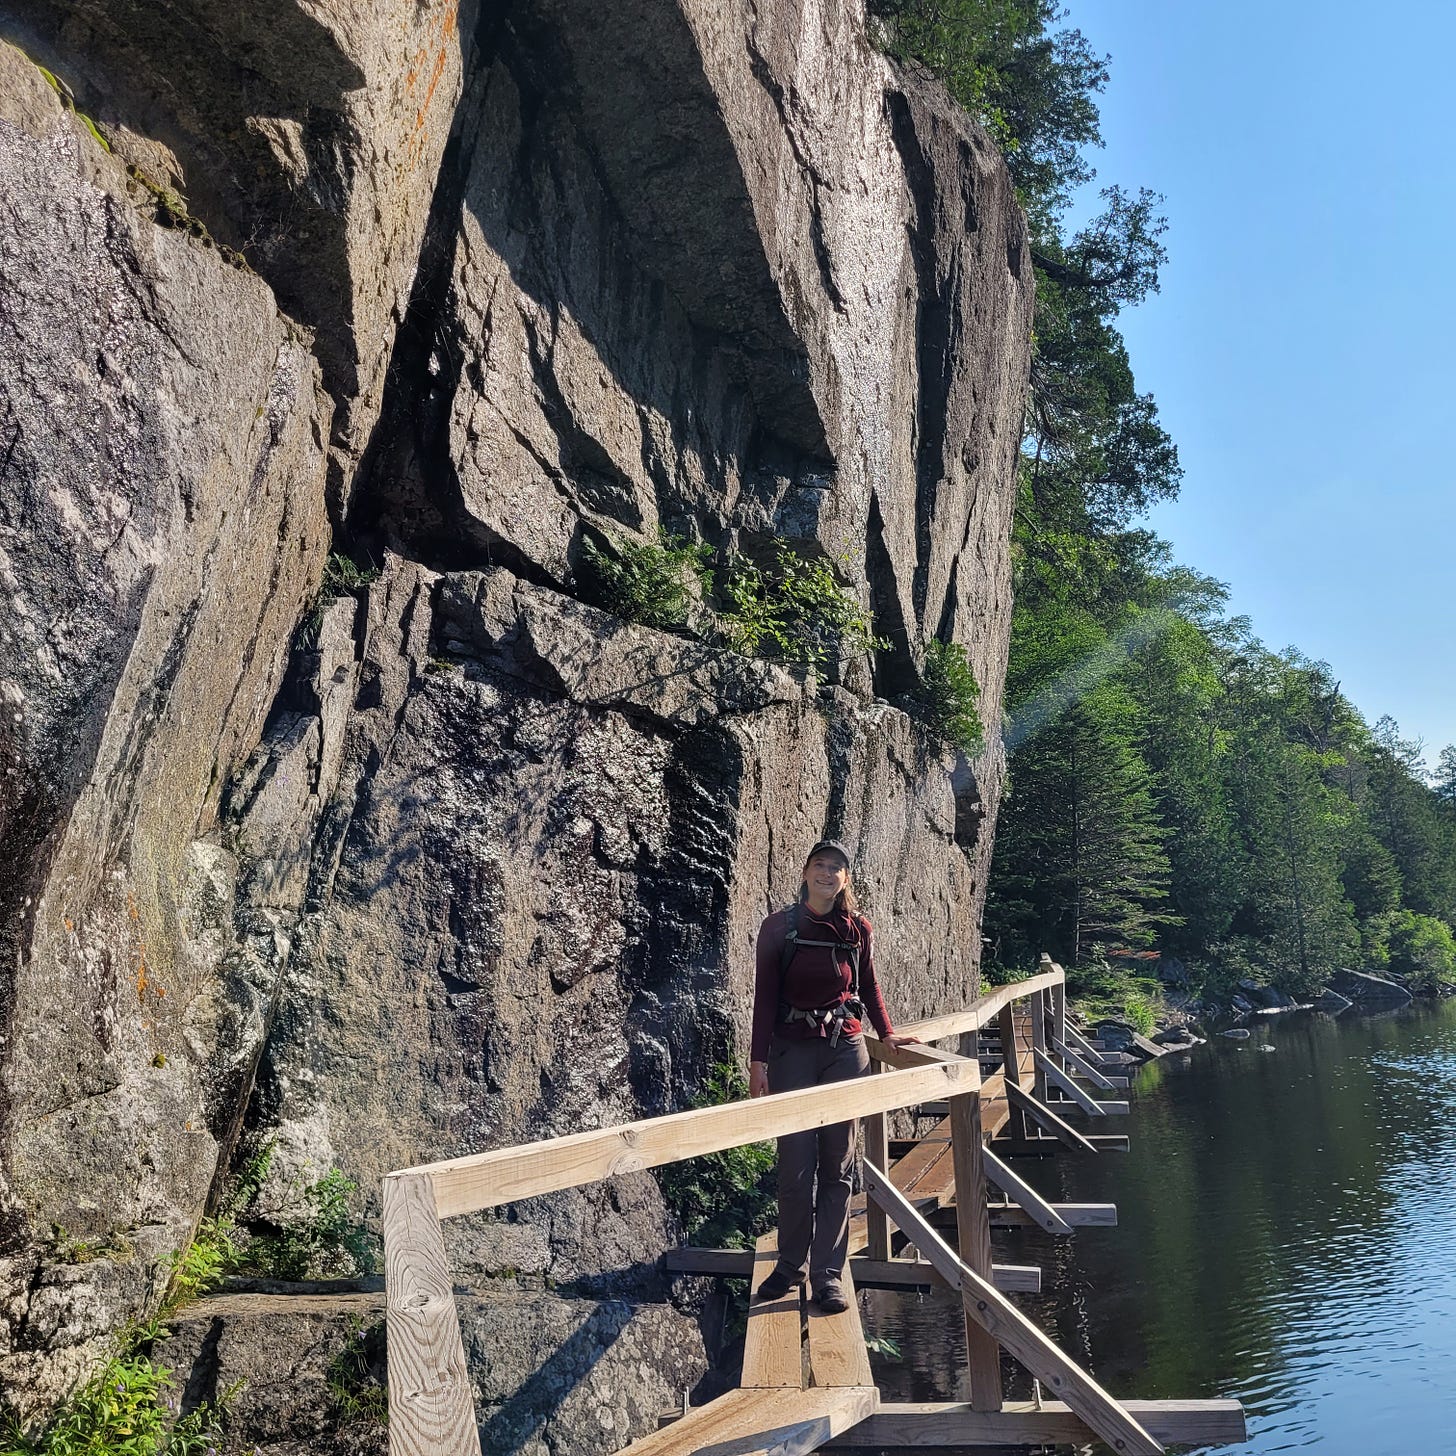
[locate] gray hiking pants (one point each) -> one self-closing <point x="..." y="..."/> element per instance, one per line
<point x="814" y="1224"/>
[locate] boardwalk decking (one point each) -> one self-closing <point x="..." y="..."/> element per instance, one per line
<point x="806" y="1382"/>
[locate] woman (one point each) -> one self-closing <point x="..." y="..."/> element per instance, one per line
<point x="815" y="982"/>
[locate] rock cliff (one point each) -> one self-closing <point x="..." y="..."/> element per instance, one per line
<point x="371" y="872"/>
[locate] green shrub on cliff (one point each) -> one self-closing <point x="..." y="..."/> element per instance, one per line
<point x="723" y="1200"/>
<point x="327" y="1243"/>
<point x="795" y="610"/>
<point x="128" y="1408"/>
<point x="658" y="583"/>
<point x="947" y="699"/>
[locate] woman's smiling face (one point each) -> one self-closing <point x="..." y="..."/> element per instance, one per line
<point x="826" y="874"/>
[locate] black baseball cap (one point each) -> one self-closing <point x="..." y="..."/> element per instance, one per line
<point x="838" y="846"/>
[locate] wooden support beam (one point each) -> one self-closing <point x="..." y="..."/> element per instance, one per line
<point x="973" y="1236"/>
<point x="1059" y="1004"/>
<point x="485" y="1180"/>
<point x="1021" y="1192"/>
<point x="773" y="1356"/>
<point x="1051" y="1423"/>
<point x="1057" y="1078"/>
<point x="1039" y="1040"/>
<point x="1084" y="1068"/>
<point x="1111" y="1106"/>
<point x="431" y="1405"/>
<point x="980" y="1011"/>
<point x="1046" y="1147"/>
<point x="1041" y="1114"/>
<point x="1076" y="1040"/>
<point x="877" y="1150"/>
<point x="1012" y="1215"/>
<point x="1011" y="1065"/>
<point x="868" y="1273"/>
<point x="1013" y="1330"/>
<point x="837" y="1352"/>
<point x="762" y="1423"/>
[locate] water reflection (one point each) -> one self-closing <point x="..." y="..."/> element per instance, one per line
<point x="1287" y="1236"/>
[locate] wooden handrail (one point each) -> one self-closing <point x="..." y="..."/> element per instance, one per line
<point x="483" y="1180"/>
<point x="982" y="1009"/>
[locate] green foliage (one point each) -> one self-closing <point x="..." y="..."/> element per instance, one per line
<point x="946" y="703"/>
<point x="660" y="584"/>
<point x="67" y="1249"/>
<point x="1100" y="990"/>
<point x="69" y="101"/>
<point x="728" y="1199"/>
<point x="1030" y="85"/>
<point x="355" y="1377"/>
<point x="1419" y="949"/>
<point x="126" y="1409"/>
<point x="328" y="1243"/>
<point x="343" y="577"/>
<point x="995" y="973"/>
<point x="201" y="1265"/>
<point x="795" y="610"/>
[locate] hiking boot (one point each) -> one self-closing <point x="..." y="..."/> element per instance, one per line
<point x="830" y="1297"/>
<point x="778" y="1284"/>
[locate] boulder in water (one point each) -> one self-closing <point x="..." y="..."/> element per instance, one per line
<point x="1369" y="990"/>
<point x="1236" y="1033"/>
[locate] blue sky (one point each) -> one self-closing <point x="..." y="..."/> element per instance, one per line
<point x="1303" y="348"/>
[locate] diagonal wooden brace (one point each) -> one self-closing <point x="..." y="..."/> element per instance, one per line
<point x="1013" y="1331"/>
<point x="1040" y="1113"/>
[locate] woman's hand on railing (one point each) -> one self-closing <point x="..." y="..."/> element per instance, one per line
<point x="758" y="1079"/>
<point x="899" y="1039"/>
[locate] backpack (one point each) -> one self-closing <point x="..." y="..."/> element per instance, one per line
<point x="850" y="1006"/>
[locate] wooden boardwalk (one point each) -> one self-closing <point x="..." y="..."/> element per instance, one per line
<point x="806" y="1382"/>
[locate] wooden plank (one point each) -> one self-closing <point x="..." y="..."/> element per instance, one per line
<point x="837" y="1353"/>
<point x="762" y="1423"/>
<point x="1040" y="1113"/>
<point x="431" y="1405"/>
<point x="916" y="1054"/>
<point x="1085" y="1068"/>
<point x="1014" y="1331"/>
<point x="484" y="1180"/>
<point x="773" y="1344"/>
<point x="868" y="1273"/>
<point x="932" y="1424"/>
<point x="981" y="1010"/>
<point x="973" y="1235"/>
<point x="1021" y="1192"/>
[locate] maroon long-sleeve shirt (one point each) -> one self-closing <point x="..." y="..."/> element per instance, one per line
<point x="817" y="976"/>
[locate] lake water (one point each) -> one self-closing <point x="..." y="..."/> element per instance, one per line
<point x="1286" y="1237"/>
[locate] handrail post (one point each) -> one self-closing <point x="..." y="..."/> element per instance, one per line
<point x="1011" y="1065"/>
<point x="1059" y="1000"/>
<point x="877" y="1151"/>
<point x="1039" y="1039"/>
<point x="431" y="1404"/>
<point x="973" y="1233"/>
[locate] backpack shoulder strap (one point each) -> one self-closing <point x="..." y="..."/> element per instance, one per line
<point x="791" y="942"/>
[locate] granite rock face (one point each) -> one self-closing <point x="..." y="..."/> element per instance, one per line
<point x="309" y="136"/>
<point x="161" y="526"/>
<point x="442" y="857"/>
